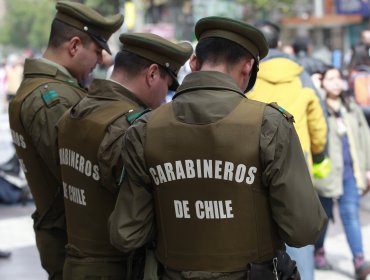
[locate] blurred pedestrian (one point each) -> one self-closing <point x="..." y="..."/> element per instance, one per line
<point x="3" y="87"/>
<point x="365" y="36"/>
<point x="50" y="86"/>
<point x="144" y="70"/>
<point x="349" y="151"/>
<point x="14" y="75"/>
<point x="288" y="49"/>
<point x="209" y="178"/>
<point x="359" y="77"/>
<point x="282" y="80"/>
<point x="302" y="47"/>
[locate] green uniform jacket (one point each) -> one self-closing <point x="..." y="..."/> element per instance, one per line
<point x="295" y="207"/>
<point x="39" y="113"/>
<point x="46" y="92"/>
<point x="105" y="115"/>
<point x="110" y="153"/>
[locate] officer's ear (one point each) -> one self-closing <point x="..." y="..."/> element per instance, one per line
<point x="73" y="45"/>
<point x="194" y="63"/>
<point x="242" y="71"/>
<point x="247" y="67"/>
<point x="152" y="73"/>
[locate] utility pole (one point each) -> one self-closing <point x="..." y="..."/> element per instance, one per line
<point x="318" y="35"/>
<point x="318" y="8"/>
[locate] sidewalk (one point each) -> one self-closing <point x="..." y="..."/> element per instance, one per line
<point x="16" y="235"/>
<point x="338" y="252"/>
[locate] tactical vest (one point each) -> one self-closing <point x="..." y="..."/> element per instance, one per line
<point x="87" y="203"/>
<point x="212" y="211"/>
<point x="43" y="185"/>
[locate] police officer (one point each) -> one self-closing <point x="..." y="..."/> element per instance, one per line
<point x="50" y="86"/>
<point x="218" y="181"/>
<point x="91" y="160"/>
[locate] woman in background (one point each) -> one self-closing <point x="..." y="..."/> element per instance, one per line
<point x="349" y="151"/>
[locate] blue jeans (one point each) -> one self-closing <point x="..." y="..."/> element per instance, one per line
<point x="349" y="207"/>
<point x="305" y="261"/>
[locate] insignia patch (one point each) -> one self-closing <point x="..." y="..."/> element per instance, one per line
<point x="49" y="97"/>
<point x="133" y="115"/>
<point x="285" y="113"/>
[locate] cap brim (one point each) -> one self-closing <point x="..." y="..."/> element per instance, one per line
<point x="175" y="83"/>
<point x="101" y="43"/>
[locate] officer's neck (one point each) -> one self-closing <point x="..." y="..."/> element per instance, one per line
<point x="237" y="72"/>
<point x="218" y="68"/>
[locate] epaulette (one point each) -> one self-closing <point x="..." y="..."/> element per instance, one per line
<point x="133" y="115"/>
<point x="49" y="96"/>
<point x="285" y="113"/>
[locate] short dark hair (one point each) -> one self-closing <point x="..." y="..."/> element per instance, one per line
<point x="301" y="44"/>
<point x="62" y="32"/>
<point x="219" y="50"/>
<point x="271" y="32"/>
<point x="133" y="64"/>
<point x="360" y="56"/>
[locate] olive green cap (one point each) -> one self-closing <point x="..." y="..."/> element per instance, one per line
<point x="247" y="36"/>
<point x="163" y="52"/>
<point x="237" y="31"/>
<point x="84" y="18"/>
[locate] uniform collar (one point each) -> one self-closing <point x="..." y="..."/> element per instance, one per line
<point x="112" y="90"/>
<point x="45" y="67"/>
<point x="206" y="97"/>
<point x="211" y="80"/>
<point x="61" y="68"/>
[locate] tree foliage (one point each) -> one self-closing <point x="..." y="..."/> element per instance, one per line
<point x="27" y="23"/>
<point x="266" y="8"/>
<point x="106" y="7"/>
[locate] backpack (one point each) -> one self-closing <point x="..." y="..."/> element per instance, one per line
<point x="361" y="86"/>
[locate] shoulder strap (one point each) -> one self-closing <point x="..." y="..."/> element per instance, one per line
<point x="133" y="115"/>
<point x="285" y="113"/>
<point x="34" y="83"/>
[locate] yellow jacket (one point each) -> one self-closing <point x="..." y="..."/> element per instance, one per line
<point x="279" y="80"/>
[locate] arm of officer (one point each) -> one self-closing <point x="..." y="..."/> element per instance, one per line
<point x="110" y="155"/>
<point x="40" y="118"/>
<point x="295" y="206"/>
<point x="131" y="223"/>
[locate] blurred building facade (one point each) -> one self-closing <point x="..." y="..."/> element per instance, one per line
<point x="333" y="25"/>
